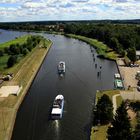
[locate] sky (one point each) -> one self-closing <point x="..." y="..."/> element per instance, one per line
<point x="46" y="10"/>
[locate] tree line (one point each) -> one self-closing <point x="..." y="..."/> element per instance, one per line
<point x="121" y="38"/>
<point x="120" y="126"/>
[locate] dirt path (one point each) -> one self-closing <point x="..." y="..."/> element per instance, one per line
<point x="114" y="103"/>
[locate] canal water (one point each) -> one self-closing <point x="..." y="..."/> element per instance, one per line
<point x="85" y="73"/>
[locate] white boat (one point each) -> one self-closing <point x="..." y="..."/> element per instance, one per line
<point x="61" y="67"/>
<point x="117" y="76"/>
<point x="57" y="109"/>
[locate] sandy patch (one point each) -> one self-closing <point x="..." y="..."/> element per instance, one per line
<point x="131" y="114"/>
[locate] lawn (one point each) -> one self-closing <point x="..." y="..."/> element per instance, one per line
<point x="110" y="93"/>
<point x="99" y="132"/>
<point x="19" y="40"/>
<point x="3" y="62"/>
<point x="119" y="100"/>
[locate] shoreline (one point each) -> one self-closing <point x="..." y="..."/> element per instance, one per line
<point x="103" y="51"/>
<point x="22" y="96"/>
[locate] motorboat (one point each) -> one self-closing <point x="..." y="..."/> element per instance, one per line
<point x="57" y="108"/>
<point x="61" y="67"/>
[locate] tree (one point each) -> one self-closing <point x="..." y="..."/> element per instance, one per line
<point x="25" y="51"/>
<point x="6" y="50"/>
<point x="104" y="111"/>
<point x="1" y="52"/>
<point x="11" y="61"/>
<point x="121" y="128"/>
<point x="131" y="53"/>
<point x="137" y="131"/>
<point x="14" y="49"/>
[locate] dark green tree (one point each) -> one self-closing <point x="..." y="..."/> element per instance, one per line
<point x="1" y="53"/>
<point x="121" y="128"/>
<point x="104" y="111"/>
<point x="25" y="51"/>
<point x="14" y="49"/>
<point x="11" y="61"/>
<point x="137" y="129"/>
<point x="131" y="53"/>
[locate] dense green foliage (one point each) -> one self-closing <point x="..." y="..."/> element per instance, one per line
<point x="137" y="129"/>
<point x="11" y="61"/>
<point x="135" y="105"/>
<point x="118" y="37"/>
<point x="131" y="53"/>
<point x="14" y="52"/>
<point x="103" y="114"/>
<point x="121" y="128"/>
<point x="1" y="52"/>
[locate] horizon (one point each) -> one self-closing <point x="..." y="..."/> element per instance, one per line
<point x="68" y="10"/>
<point x="72" y="20"/>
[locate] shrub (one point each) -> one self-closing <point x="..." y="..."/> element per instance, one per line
<point x="11" y="61"/>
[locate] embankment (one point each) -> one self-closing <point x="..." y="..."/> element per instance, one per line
<point x="103" y="50"/>
<point x="36" y="59"/>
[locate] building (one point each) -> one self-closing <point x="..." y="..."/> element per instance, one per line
<point x="138" y="55"/>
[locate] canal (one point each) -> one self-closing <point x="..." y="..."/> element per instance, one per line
<point x="78" y="87"/>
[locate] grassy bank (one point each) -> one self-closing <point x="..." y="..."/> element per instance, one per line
<point x="24" y="72"/>
<point x="103" y="50"/>
<point x="5" y="57"/>
<point x="100" y="132"/>
<point x="19" y="40"/>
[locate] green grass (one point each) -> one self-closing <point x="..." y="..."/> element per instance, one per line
<point x="110" y="93"/>
<point x="19" y="40"/>
<point x="4" y="59"/>
<point x="119" y="100"/>
<point x="99" y="133"/>
<point x="3" y="62"/>
<point x="102" y="49"/>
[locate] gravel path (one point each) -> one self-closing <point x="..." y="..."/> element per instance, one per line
<point x="114" y="103"/>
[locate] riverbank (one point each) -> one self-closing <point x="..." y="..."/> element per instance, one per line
<point x="27" y="70"/>
<point x="103" y="50"/>
<point x="4" y="47"/>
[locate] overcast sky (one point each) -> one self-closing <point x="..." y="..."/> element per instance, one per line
<point x="36" y="10"/>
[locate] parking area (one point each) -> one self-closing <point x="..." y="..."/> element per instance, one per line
<point x="129" y="79"/>
<point x="128" y="75"/>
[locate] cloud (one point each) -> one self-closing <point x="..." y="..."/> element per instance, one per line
<point x="34" y="5"/>
<point x="23" y="10"/>
<point x="82" y="1"/>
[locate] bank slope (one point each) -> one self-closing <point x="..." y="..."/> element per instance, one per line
<point x="25" y="72"/>
<point x="103" y="50"/>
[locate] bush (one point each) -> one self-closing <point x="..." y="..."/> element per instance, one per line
<point x="11" y="61"/>
<point x="6" y="50"/>
<point x="14" y="49"/>
<point x="25" y="51"/>
<point x="1" y="52"/>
